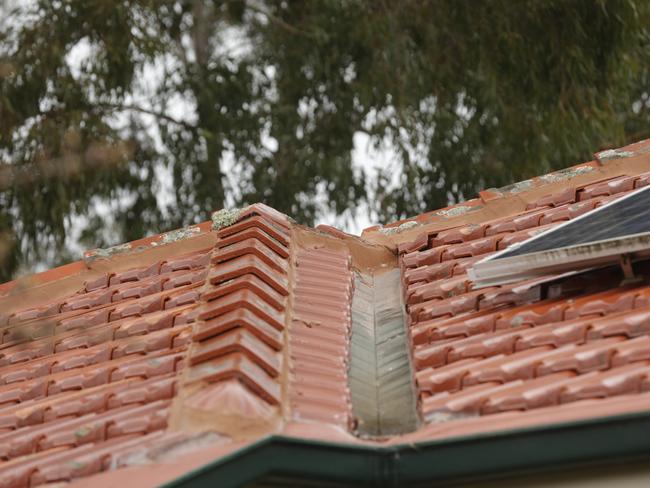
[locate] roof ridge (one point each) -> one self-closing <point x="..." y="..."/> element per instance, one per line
<point x="607" y="164"/>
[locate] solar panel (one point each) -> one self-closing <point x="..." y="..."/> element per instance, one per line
<point x="619" y="228"/>
<point x="626" y="216"/>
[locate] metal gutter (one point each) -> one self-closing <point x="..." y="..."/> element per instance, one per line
<point x="442" y="462"/>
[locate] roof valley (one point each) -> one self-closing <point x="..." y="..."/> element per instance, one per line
<point x="380" y="374"/>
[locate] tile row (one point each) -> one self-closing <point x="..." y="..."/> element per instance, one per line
<point x="140" y="366"/>
<point x="141" y="344"/>
<point x="483" y="351"/>
<point x="56" y="465"/>
<point x="118" y="287"/>
<point x="542" y="312"/>
<point x="555" y="389"/>
<point x="98" y="315"/>
<point x="566" y="204"/>
<point x="319" y="336"/>
<point x="133" y="390"/>
<point x="93" y="332"/>
<point x="93" y="374"/>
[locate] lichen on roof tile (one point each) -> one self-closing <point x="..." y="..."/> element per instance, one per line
<point x="225" y="217"/>
<point x="457" y="210"/>
<point x="179" y="234"/>
<point x="610" y="154"/>
<point x="629" y="151"/>
<point x="566" y="174"/>
<point x="514" y="188"/>
<point x="388" y="231"/>
<point x="105" y="253"/>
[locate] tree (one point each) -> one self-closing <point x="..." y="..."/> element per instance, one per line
<point x="259" y="100"/>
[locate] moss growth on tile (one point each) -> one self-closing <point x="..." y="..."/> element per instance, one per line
<point x="225" y="217"/>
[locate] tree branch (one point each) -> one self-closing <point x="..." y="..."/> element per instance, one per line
<point x="147" y="111"/>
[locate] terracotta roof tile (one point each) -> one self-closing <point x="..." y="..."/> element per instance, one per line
<point x="244" y="327"/>
<point x="319" y="359"/>
<point x="480" y="352"/>
<point x="94" y="371"/>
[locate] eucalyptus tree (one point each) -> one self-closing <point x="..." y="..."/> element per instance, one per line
<point x="104" y="104"/>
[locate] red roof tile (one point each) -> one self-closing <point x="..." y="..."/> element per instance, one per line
<point x="243" y="328"/>
<point x="476" y="353"/>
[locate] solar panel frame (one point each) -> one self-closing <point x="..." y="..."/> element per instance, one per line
<point x="541" y="254"/>
<point x="601" y="224"/>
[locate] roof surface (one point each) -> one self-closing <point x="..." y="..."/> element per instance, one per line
<point x="150" y="359"/>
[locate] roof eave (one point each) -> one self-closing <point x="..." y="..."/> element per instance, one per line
<point x="547" y="448"/>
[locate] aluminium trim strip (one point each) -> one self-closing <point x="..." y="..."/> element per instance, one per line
<point x="490" y="272"/>
<point x="500" y="268"/>
<point x="558" y="228"/>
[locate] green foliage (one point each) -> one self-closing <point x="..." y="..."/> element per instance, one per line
<point x="470" y="94"/>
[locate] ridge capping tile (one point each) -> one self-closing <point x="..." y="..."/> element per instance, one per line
<point x="245" y="282"/>
<point x="249" y="264"/>
<point x="250" y="246"/>
<point x="240" y="341"/>
<point x="239" y="318"/>
<point x="255" y="222"/>
<point x="257" y="234"/>
<point x="244" y="298"/>
<point x="238" y="366"/>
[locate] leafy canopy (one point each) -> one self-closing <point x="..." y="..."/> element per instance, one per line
<point x="259" y="100"/>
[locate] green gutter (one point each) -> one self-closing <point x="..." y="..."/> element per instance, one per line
<point x="448" y="461"/>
